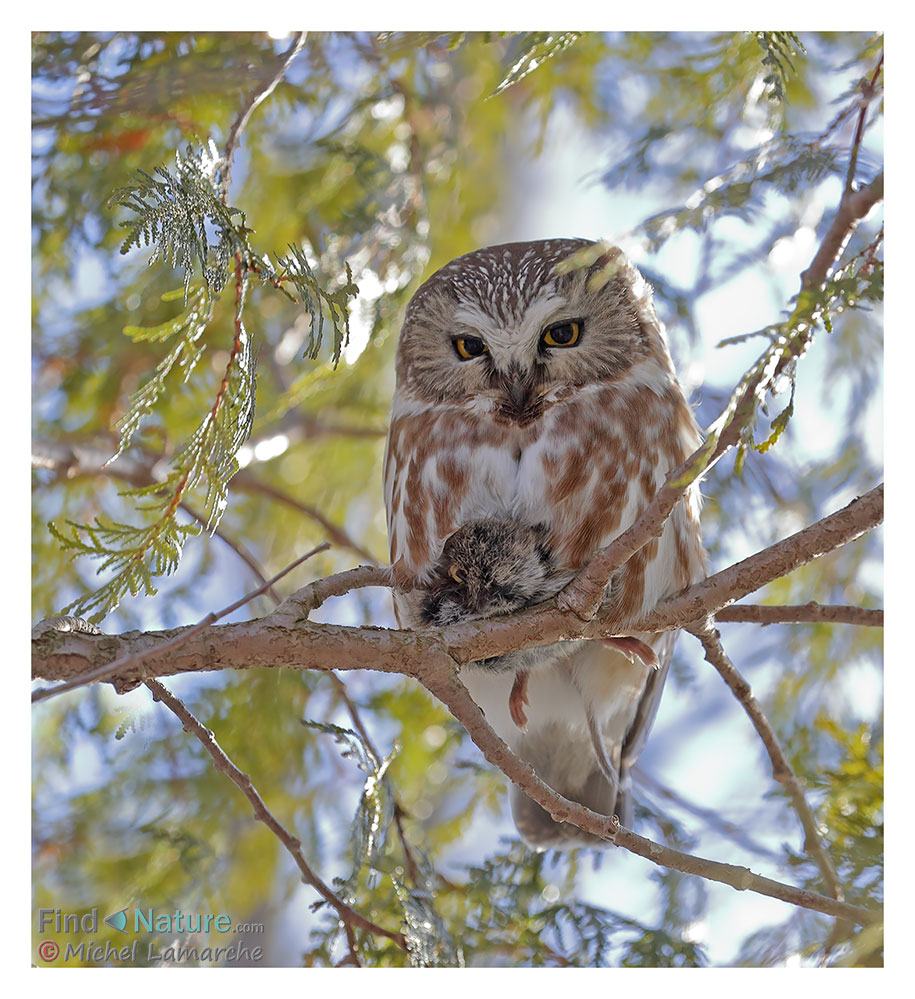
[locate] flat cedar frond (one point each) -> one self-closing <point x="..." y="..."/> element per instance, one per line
<point x="318" y="302"/>
<point x="430" y="944"/>
<point x="784" y="164"/>
<point x="135" y="555"/>
<point x="536" y="48"/>
<point x="173" y="211"/>
<point x="428" y="940"/>
<point x="177" y="213"/>
<point x="375" y="811"/>
<point x="210" y="452"/>
<point x="779" y="47"/>
<point x="191" y="325"/>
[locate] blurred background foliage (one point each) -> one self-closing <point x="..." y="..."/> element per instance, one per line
<point x="392" y="154"/>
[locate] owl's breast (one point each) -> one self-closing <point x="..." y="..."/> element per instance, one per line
<point x="585" y="469"/>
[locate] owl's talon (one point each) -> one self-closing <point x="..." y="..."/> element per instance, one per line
<point x="517" y="700"/>
<point x="634" y="649"/>
<point x="454" y="573"/>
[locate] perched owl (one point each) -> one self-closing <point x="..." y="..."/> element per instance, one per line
<point x="546" y="398"/>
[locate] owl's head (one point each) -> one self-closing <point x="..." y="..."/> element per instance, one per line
<point x="509" y="330"/>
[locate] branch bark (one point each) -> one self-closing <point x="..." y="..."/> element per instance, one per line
<point x="440" y="679"/>
<point x="812" y="613"/>
<point x="287" y="638"/>
<point x="781" y="768"/>
<point x="584" y="594"/>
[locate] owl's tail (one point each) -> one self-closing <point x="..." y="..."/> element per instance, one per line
<point x="541" y="832"/>
<point x="605" y="788"/>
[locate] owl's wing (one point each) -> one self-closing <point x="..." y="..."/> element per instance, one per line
<point x="638" y="732"/>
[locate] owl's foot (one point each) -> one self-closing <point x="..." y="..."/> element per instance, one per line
<point x="517" y="700"/>
<point x="633" y="649"/>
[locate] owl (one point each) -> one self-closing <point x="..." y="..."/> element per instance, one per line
<point x="544" y="396"/>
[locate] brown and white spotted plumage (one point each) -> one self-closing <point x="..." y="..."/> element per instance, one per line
<point x="548" y="399"/>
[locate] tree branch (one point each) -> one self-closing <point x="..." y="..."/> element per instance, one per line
<point x="812" y="613"/>
<point x="440" y="679"/>
<point x="286" y="638"/>
<point x="718" y="591"/>
<point x="253" y="102"/>
<point x="132" y="661"/>
<point x="585" y="592"/>
<point x="350" y="917"/>
<point x="781" y="768"/>
<point x="853" y="207"/>
<point x="583" y="595"/>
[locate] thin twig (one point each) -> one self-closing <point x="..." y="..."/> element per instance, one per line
<point x="868" y="90"/>
<point x="812" y="613"/>
<point x="781" y="767"/>
<point x="86" y="461"/>
<point x="350" y="917"/>
<point x="583" y="595"/>
<point x="709" y="816"/>
<point x="80" y="460"/>
<point x="335" y="534"/>
<point x="256" y="98"/>
<point x="240" y="550"/>
<point x="132" y="660"/>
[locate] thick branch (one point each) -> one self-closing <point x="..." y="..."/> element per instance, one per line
<point x="286" y="639"/>
<point x="584" y="594"/>
<point x="718" y="591"/>
<point x="133" y="660"/>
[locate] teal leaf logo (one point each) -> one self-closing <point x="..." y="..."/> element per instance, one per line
<point x="118" y="920"/>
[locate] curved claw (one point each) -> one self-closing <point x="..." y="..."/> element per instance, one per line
<point x="634" y="649"/>
<point x="517" y="700"/>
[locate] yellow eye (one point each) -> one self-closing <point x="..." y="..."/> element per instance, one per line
<point x="564" y="334"/>
<point x="470" y="346"/>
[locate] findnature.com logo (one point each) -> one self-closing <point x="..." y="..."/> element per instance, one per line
<point x="146" y="921"/>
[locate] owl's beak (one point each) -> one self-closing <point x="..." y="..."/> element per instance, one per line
<point x="519" y="387"/>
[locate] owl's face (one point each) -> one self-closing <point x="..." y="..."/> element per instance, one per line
<point x="501" y="329"/>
